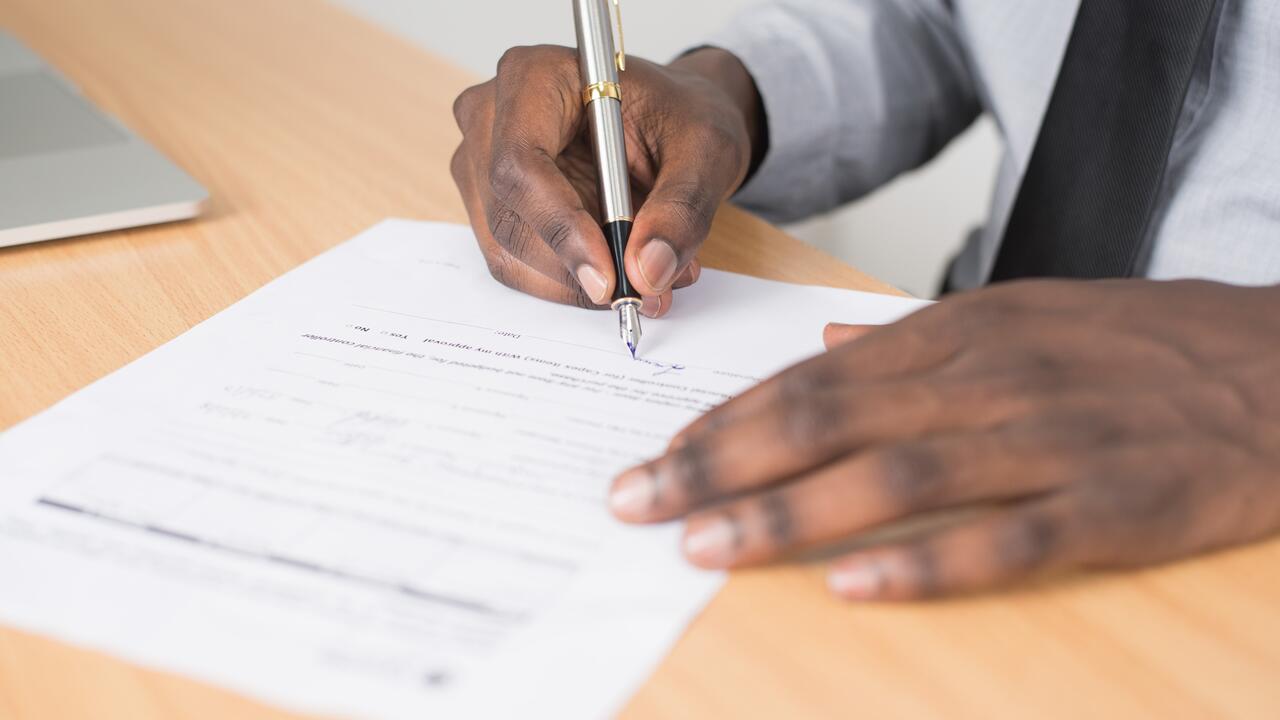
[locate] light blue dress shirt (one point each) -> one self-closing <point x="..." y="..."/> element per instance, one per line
<point x="858" y="91"/>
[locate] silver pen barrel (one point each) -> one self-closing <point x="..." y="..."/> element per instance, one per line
<point x="598" y="67"/>
<point x="599" y="62"/>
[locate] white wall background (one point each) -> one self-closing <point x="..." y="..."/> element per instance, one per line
<point x="904" y="233"/>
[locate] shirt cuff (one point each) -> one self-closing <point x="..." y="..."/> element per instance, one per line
<point x="802" y="113"/>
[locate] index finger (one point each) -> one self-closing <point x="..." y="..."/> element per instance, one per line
<point x="904" y="348"/>
<point x="538" y="114"/>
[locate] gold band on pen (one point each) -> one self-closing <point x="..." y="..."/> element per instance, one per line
<point x="619" y="218"/>
<point x="605" y="89"/>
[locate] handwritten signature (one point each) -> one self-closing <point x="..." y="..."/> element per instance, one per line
<point x="663" y="368"/>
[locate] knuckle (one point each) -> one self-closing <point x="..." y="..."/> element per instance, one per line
<point x="719" y="136"/>
<point x="557" y="60"/>
<point x="562" y="61"/>
<point x="813" y="423"/>
<point x="691" y="471"/>
<point x="508" y="230"/>
<point x="980" y="310"/>
<point x="912" y="475"/>
<point x="507" y="175"/>
<point x="811" y="412"/>
<point x="1035" y="375"/>
<point x="458" y="166"/>
<point x="515" y="58"/>
<point x="922" y="580"/>
<point x="538" y="58"/>
<point x="1041" y="362"/>
<point x="777" y="518"/>
<point x="690" y="204"/>
<point x="1027" y="542"/>
<point x="1044" y="417"/>
<point x="557" y="232"/>
<point x="727" y="146"/>
<point x="800" y="384"/>
<point x="464" y="106"/>
<point x="1125" y="506"/>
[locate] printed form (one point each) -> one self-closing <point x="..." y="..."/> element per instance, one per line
<point x="376" y="486"/>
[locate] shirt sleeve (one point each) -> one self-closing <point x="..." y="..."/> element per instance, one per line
<point x="855" y="92"/>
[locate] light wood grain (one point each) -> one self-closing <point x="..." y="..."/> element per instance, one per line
<point x="308" y="125"/>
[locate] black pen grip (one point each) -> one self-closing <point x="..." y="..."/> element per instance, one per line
<point x="617" y="233"/>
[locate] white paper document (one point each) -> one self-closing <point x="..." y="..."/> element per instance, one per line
<point x="376" y="487"/>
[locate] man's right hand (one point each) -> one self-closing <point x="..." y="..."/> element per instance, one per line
<point x="527" y="174"/>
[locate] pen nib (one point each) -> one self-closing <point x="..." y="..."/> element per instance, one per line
<point x="629" y="324"/>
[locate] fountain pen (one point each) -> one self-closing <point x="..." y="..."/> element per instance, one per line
<point x="599" y="64"/>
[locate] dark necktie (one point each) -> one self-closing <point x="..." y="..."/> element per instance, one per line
<point x="1089" y="191"/>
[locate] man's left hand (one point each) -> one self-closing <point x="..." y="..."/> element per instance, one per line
<point x="1097" y="424"/>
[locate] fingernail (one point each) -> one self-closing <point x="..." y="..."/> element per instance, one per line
<point x="712" y="543"/>
<point x="860" y="581"/>
<point x="651" y="306"/>
<point x="633" y="494"/>
<point x="657" y="263"/>
<point x="593" y="282"/>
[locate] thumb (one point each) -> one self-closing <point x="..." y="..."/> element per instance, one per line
<point x="676" y="217"/>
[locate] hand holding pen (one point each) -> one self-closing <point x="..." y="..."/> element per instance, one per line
<point x="528" y="175"/>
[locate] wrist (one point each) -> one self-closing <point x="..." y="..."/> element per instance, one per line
<point x="727" y="72"/>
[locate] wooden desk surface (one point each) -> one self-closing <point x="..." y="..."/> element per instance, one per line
<point x="308" y="125"/>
